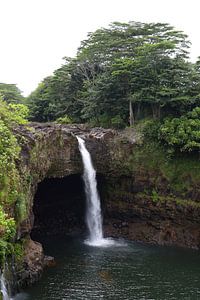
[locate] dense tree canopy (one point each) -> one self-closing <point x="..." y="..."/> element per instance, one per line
<point x="124" y="72"/>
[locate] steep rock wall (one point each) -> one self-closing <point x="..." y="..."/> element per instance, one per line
<point x="142" y="199"/>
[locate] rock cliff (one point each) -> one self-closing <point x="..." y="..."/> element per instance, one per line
<point x="142" y="198"/>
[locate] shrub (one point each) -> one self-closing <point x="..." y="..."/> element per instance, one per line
<point x="182" y="133"/>
<point x="11" y="115"/>
<point x="117" y="122"/>
<point x="64" y="120"/>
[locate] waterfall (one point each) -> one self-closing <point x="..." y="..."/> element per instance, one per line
<point x="4" y="290"/>
<point x="93" y="212"/>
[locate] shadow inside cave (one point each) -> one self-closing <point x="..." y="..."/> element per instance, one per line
<point x="59" y="207"/>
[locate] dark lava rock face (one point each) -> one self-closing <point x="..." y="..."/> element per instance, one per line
<point x="51" y="169"/>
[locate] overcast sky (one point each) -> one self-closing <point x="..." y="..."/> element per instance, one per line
<point x="36" y="34"/>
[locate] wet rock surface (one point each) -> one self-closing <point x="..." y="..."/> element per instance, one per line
<point x="30" y="270"/>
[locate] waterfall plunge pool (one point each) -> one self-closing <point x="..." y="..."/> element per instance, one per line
<point x="132" y="271"/>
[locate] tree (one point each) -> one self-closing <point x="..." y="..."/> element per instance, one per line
<point x="124" y="40"/>
<point x="130" y="70"/>
<point x="40" y="101"/>
<point x="10" y="93"/>
<point x="138" y="55"/>
<point x="58" y="95"/>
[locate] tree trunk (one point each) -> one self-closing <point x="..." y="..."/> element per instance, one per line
<point x="155" y="111"/>
<point x="131" y="116"/>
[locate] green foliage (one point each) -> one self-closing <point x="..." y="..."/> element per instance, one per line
<point x="10" y="93"/>
<point x="182" y="133"/>
<point x="117" y="122"/>
<point x="142" y="64"/>
<point x="19" y="113"/>
<point x="18" y="250"/>
<point x="20" y="207"/>
<point x="11" y="115"/>
<point x="7" y="225"/>
<point x="181" y="173"/>
<point x="9" y="151"/>
<point x="15" y="250"/>
<point x="64" y="120"/>
<point x="41" y="102"/>
<point x="7" y="232"/>
<point x="155" y="196"/>
<point x="149" y="128"/>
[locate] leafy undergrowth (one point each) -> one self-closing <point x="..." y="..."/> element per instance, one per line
<point x="11" y="115"/>
<point x="182" y="133"/>
<point x="180" y="171"/>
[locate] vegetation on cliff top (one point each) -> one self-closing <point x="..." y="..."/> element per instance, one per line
<point x="10" y="93"/>
<point x="182" y="133"/>
<point x="122" y="73"/>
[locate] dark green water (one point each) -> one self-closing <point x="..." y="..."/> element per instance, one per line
<point x="132" y="271"/>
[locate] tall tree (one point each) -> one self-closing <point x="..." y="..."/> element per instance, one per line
<point x="129" y="47"/>
<point x="121" y="72"/>
<point x="10" y="93"/>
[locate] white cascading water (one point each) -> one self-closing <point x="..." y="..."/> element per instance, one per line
<point x="93" y="212"/>
<point x="4" y="289"/>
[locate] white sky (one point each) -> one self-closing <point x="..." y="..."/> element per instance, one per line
<point x="36" y="34"/>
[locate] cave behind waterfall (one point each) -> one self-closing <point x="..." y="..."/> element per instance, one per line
<point x="59" y="206"/>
